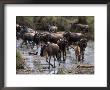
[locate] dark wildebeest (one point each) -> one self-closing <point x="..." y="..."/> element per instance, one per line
<point x="82" y="44"/>
<point x="18" y="28"/>
<point x="52" y="28"/>
<point x="54" y="37"/>
<point x="63" y="45"/>
<point x="80" y="27"/>
<point x="28" y="37"/>
<point x="72" y="38"/>
<point x="41" y="38"/>
<point x="47" y="37"/>
<point x="20" y="31"/>
<point x="36" y="38"/>
<point x="79" y="48"/>
<point x="23" y="30"/>
<point x="25" y="33"/>
<point x="49" y="50"/>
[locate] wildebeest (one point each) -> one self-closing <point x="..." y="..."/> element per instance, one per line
<point x="49" y="50"/>
<point x="52" y="28"/>
<point x="25" y="33"/>
<point x="23" y="29"/>
<point x="80" y="27"/>
<point x="82" y="44"/>
<point x="73" y="37"/>
<point x="20" y="31"/>
<point x="80" y="48"/>
<point x="47" y="37"/>
<point x="18" y="35"/>
<point x="41" y="38"/>
<point x="28" y="37"/>
<point x="36" y="38"/>
<point x="63" y="45"/>
<point x="54" y="37"/>
<point x="18" y="28"/>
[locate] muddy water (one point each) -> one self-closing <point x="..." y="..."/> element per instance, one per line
<point x="35" y="64"/>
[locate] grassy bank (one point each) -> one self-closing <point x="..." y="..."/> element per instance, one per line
<point x="19" y="60"/>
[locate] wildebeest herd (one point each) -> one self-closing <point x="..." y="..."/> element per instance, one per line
<point x="55" y="44"/>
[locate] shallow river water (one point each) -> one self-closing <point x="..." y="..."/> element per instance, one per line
<point x="35" y="64"/>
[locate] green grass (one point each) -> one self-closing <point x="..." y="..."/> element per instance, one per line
<point x="19" y="60"/>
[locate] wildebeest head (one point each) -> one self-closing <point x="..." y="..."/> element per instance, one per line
<point x="85" y="29"/>
<point x="36" y="38"/>
<point x="63" y="44"/>
<point x="83" y="43"/>
<point x="66" y="35"/>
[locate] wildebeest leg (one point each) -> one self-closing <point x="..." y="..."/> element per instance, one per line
<point x="78" y="58"/>
<point x="46" y="59"/>
<point x="32" y="44"/>
<point x="23" y="43"/>
<point x="82" y="55"/>
<point x="54" y="64"/>
<point x="58" y="58"/>
<point x="54" y="61"/>
<point x="27" y="43"/>
<point x="64" y="56"/>
<point x="49" y="62"/>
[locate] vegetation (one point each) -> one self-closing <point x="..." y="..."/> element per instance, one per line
<point x="63" y="22"/>
<point x="19" y="60"/>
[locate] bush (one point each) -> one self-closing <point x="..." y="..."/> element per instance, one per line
<point x="19" y="60"/>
